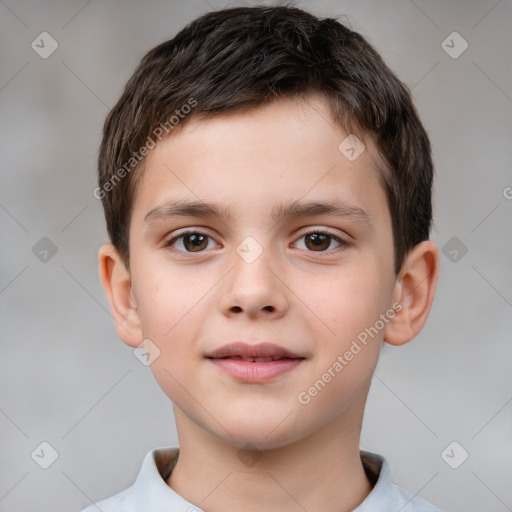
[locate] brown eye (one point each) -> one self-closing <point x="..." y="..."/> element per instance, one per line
<point x="195" y="242"/>
<point x="191" y="241"/>
<point x="318" y="241"/>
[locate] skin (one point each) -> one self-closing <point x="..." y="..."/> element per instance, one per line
<point x="313" y="302"/>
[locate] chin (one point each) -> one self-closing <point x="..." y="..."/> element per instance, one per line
<point x="260" y="432"/>
<point x="250" y="440"/>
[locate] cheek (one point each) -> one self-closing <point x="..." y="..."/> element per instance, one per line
<point x="347" y="345"/>
<point x="168" y="300"/>
<point x="172" y="319"/>
<point x="347" y="301"/>
<point x="173" y="307"/>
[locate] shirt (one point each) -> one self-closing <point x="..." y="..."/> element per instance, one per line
<point x="150" y="492"/>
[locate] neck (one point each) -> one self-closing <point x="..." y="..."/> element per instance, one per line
<point x="320" y="472"/>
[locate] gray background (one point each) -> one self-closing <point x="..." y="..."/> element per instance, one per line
<point x="68" y="380"/>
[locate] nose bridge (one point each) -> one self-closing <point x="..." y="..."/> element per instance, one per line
<point x="254" y="286"/>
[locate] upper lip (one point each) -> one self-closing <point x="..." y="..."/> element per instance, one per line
<point x="245" y="350"/>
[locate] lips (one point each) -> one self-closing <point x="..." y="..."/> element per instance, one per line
<point x="254" y="363"/>
<point x="263" y="352"/>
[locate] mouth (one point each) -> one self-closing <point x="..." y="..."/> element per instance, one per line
<point x="254" y="363"/>
<point x="255" y="359"/>
<point x="263" y="352"/>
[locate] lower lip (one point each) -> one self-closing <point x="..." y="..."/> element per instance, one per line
<point x="248" y="371"/>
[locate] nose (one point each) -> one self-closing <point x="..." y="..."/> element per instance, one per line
<point x="254" y="288"/>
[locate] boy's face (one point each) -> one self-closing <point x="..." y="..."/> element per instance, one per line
<point x="257" y="278"/>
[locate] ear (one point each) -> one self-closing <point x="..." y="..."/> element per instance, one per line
<point x="414" y="291"/>
<point x="116" y="280"/>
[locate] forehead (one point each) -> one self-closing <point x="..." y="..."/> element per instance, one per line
<point x="260" y="159"/>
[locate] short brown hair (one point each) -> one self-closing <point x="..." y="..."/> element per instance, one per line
<point x="242" y="57"/>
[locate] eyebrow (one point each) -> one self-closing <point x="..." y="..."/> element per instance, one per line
<point x="295" y="208"/>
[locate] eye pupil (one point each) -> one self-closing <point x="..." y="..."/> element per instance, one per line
<point x="318" y="240"/>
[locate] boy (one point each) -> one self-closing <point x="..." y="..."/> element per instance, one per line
<point x="266" y="184"/>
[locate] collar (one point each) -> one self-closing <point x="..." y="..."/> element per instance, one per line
<point x="151" y="493"/>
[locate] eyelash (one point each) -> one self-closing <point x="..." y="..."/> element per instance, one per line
<point x="174" y="239"/>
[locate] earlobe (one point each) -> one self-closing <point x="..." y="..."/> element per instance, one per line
<point x="414" y="290"/>
<point x="116" y="281"/>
